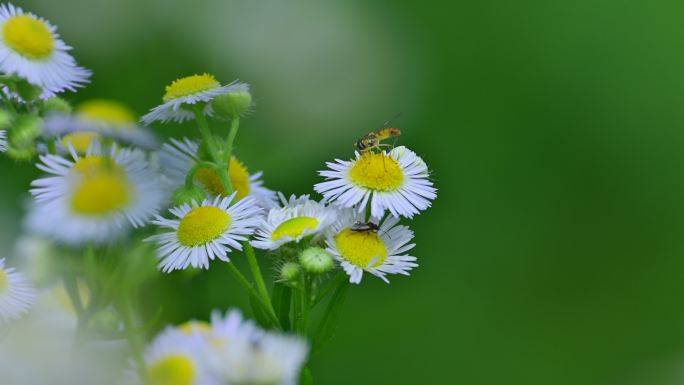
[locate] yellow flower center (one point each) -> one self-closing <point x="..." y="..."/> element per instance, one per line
<point x="361" y="247"/>
<point x="294" y="227"/>
<point x="80" y="141"/>
<point x="202" y="225"/>
<point x="108" y="111"/>
<point x="4" y="281"/>
<point x="377" y="172"/>
<point x="101" y="194"/>
<point x="190" y="85"/>
<point x="103" y="186"/>
<point x="172" y="370"/>
<point x="195" y="326"/>
<point x="29" y="37"/>
<point x="239" y="178"/>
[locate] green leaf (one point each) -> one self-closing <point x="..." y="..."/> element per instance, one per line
<point x="282" y="300"/>
<point x="328" y="326"/>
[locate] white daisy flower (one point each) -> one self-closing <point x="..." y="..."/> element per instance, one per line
<point x="16" y="294"/>
<point x="177" y="158"/>
<point x="204" y="232"/>
<point x="397" y="181"/>
<point x="296" y="219"/>
<point x="253" y="356"/>
<point x="93" y="198"/>
<point x="186" y="92"/>
<point x="3" y="140"/>
<point x="95" y="120"/>
<point x="176" y="357"/>
<point x="378" y="251"/>
<point x="31" y="49"/>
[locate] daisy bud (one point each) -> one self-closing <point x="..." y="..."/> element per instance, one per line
<point x="184" y="195"/>
<point x="290" y="271"/>
<point x="22" y="154"/>
<point x="232" y="104"/>
<point x="107" y="321"/>
<point x="316" y="260"/>
<point x="25" y="131"/>
<point x="56" y="104"/>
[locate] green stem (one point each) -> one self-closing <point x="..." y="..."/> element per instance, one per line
<point x="133" y="341"/>
<point x="222" y="167"/>
<point x="304" y="293"/>
<point x="250" y="289"/>
<point x="256" y="273"/>
<point x="328" y="288"/>
<point x="234" y="125"/>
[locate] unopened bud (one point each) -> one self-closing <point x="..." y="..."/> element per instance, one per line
<point x="233" y="103"/>
<point x="316" y="260"/>
<point x="25" y="130"/>
<point x="56" y="105"/>
<point x="289" y="272"/>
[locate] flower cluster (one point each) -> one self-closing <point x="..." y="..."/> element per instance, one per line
<point x="113" y="197"/>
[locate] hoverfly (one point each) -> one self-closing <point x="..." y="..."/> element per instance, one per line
<point x="373" y="140"/>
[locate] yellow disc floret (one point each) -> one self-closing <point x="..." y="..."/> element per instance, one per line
<point x="190" y="85"/>
<point x="377" y="172"/>
<point x="94" y="164"/>
<point x="202" y="225"/>
<point x="107" y="111"/>
<point x="172" y="370"/>
<point x="294" y="227"/>
<point x="101" y="193"/>
<point x="80" y="141"/>
<point x="4" y="281"/>
<point x="239" y="178"/>
<point x="28" y="36"/>
<point x="195" y="326"/>
<point x="361" y="247"/>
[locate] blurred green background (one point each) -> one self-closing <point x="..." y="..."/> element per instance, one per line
<point x="553" y="254"/>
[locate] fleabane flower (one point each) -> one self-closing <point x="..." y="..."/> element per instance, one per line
<point x="16" y="294"/>
<point x="94" y="197"/>
<point x="31" y="49"/>
<point x="3" y="140"/>
<point x="178" y="156"/>
<point x="184" y="93"/>
<point x="378" y="251"/>
<point x="175" y="357"/>
<point x="296" y="219"/>
<point x="397" y="182"/>
<point x="242" y="353"/>
<point x="203" y="232"/>
<point x="96" y="120"/>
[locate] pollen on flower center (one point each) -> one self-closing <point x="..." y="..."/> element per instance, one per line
<point x="294" y="227"/>
<point x="172" y="370"/>
<point x="29" y="36"/>
<point x="202" y="225"/>
<point x="190" y="85"/>
<point x="101" y="193"/>
<point x="80" y="141"/>
<point x="361" y="247"/>
<point x="107" y="111"/>
<point x="95" y="164"/>
<point x="377" y="171"/>
<point x="239" y="178"/>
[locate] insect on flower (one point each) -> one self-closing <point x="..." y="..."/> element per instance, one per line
<point x="367" y="226"/>
<point x="373" y="140"/>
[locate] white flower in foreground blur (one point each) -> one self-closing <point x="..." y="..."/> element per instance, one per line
<point x="186" y="92"/>
<point x="176" y="358"/>
<point x="177" y="158"/>
<point x="359" y="247"/>
<point x="3" y="140"/>
<point x="398" y="182"/>
<point x="97" y="119"/>
<point x="242" y="353"/>
<point x="204" y="232"/>
<point x="31" y="48"/>
<point x="16" y="294"/>
<point x="296" y="219"/>
<point x="93" y="198"/>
